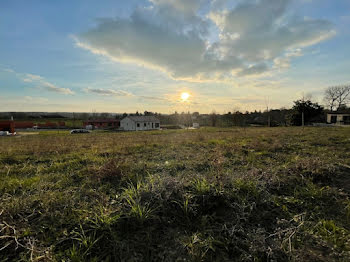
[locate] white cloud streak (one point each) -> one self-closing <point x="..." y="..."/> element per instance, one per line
<point x="107" y="92"/>
<point x="41" y="82"/>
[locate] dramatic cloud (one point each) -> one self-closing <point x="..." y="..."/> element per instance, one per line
<point x="42" y="83"/>
<point x="201" y="40"/>
<point x="107" y="92"/>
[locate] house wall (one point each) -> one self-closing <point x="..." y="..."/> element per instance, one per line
<point x="148" y="126"/>
<point x="127" y="124"/>
<point x="102" y="124"/>
<point x="340" y="118"/>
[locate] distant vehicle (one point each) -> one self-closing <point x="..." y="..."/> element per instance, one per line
<point x="7" y="133"/>
<point x="4" y="133"/>
<point x="89" y="127"/>
<point x="79" y="131"/>
<point x="195" y="125"/>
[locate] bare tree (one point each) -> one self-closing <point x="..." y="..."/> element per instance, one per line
<point x="343" y="95"/>
<point x="337" y="96"/>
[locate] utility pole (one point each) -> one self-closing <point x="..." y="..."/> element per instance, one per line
<point x="268" y="113"/>
<point x="302" y="118"/>
<point x="73" y="120"/>
<point x="302" y="113"/>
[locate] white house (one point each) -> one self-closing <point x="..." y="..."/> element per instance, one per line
<point x="139" y="123"/>
<point x="338" y="118"/>
<point x="195" y="125"/>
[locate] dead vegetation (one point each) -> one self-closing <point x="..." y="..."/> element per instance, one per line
<point x="263" y="194"/>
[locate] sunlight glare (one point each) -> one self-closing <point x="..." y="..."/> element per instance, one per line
<point x="184" y="96"/>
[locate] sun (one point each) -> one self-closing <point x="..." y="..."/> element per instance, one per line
<point x="185" y="96"/>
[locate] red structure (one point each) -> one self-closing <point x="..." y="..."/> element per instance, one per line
<point x="103" y="123"/>
<point x="24" y="124"/>
<point x="47" y="125"/>
<point x="7" y="126"/>
<point x="51" y="125"/>
<point x="11" y="125"/>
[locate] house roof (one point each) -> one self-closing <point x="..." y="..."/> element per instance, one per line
<point x="102" y="121"/>
<point x="339" y="113"/>
<point x="143" y="118"/>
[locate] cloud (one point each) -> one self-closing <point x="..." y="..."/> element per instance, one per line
<point x="262" y="31"/>
<point x="42" y="83"/>
<point x="113" y="92"/>
<point x="9" y="70"/>
<point x="32" y="78"/>
<point x="254" y="70"/>
<point x="107" y="92"/>
<point x="35" y="99"/>
<point x="51" y="87"/>
<point x="157" y="98"/>
<point x="178" y="37"/>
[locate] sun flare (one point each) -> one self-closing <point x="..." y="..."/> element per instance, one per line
<point x="185" y="96"/>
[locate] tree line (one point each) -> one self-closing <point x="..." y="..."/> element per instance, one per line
<point x="304" y="111"/>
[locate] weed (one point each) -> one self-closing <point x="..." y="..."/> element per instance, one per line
<point x="139" y="210"/>
<point x="201" y="186"/>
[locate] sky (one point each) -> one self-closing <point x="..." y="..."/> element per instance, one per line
<point x="137" y="55"/>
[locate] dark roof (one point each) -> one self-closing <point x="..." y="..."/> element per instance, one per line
<point x="345" y="112"/>
<point x="102" y="121"/>
<point x="143" y="118"/>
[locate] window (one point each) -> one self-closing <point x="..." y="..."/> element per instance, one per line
<point x="157" y="125"/>
<point x="152" y="125"/>
<point x="144" y="124"/>
<point x="138" y="124"/>
<point x="333" y="119"/>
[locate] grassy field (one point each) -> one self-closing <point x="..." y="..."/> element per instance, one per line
<point x="244" y="194"/>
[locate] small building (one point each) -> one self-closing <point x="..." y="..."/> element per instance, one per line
<point x="50" y="125"/>
<point x="338" y="118"/>
<point x="102" y="124"/>
<point x="23" y="125"/>
<point x="139" y="123"/>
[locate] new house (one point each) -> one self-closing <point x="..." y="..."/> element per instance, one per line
<point x="338" y="118"/>
<point x="139" y="123"/>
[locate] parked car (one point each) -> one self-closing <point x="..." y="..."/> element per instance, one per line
<point x="7" y="133"/>
<point x="4" y="133"/>
<point x="79" y="131"/>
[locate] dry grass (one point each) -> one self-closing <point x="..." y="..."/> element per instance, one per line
<point x="243" y="194"/>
